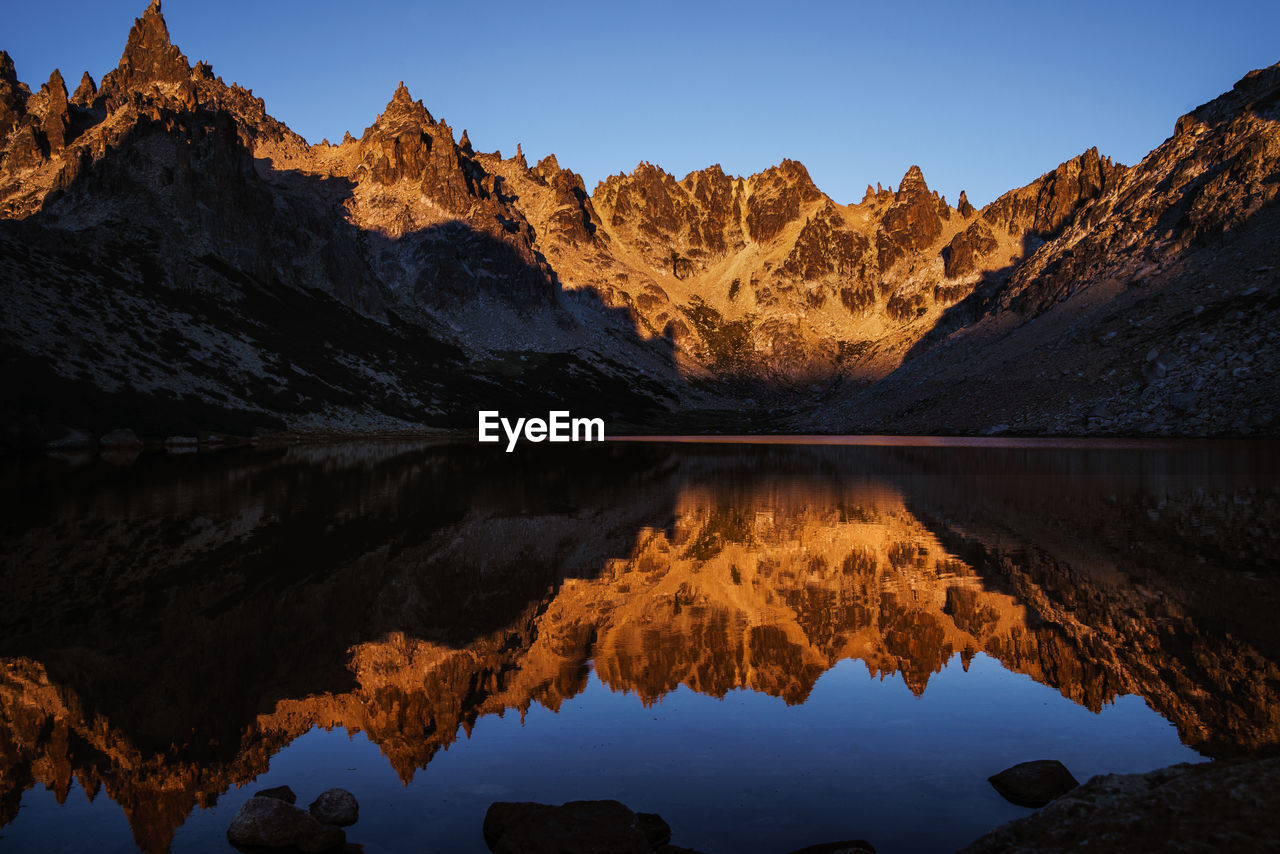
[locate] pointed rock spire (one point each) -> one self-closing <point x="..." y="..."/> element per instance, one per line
<point x="524" y="164"/>
<point x="13" y="96"/>
<point x="548" y="165"/>
<point x="963" y="206"/>
<point x="912" y="185"/>
<point x="149" y="57"/>
<point x="465" y="143"/>
<point x="56" y="88"/>
<point x="57" y="122"/>
<point x="85" y="92"/>
<point x="868" y="195"/>
<point x="402" y="107"/>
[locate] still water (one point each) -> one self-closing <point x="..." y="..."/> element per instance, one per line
<point x="771" y="645"/>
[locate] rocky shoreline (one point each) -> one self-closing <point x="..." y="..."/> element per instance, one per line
<point x="1228" y="805"/>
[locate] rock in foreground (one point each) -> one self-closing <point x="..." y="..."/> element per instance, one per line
<point x="848" y="846"/>
<point x="337" y="807"/>
<point x="1034" y="784"/>
<point x="1214" y="806"/>
<point x="280" y="793"/>
<point x="269" y="822"/>
<point x="578" y="827"/>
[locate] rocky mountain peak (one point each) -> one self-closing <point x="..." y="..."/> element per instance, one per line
<point x="13" y="96"/>
<point x="402" y="108"/>
<point x="1256" y="91"/>
<point x="963" y="206"/>
<point x="149" y="56"/>
<point x="794" y="173"/>
<point x="912" y="185"/>
<point x="85" y="92"/>
<point x="8" y="74"/>
<point x="548" y="165"/>
<point x="57" y="119"/>
<point x="56" y="88"/>
<point x="913" y="222"/>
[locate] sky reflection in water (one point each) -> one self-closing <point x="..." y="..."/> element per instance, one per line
<point x="767" y="646"/>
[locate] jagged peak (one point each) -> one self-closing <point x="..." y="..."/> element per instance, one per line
<point x="403" y="108"/>
<point x="524" y="164"/>
<point x="149" y="56"/>
<point x="8" y="73"/>
<point x="57" y="87"/>
<point x="1260" y="87"/>
<point x="964" y="206"/>
<point x="715" y="170"/>
<point x="912" y="183"/>
<point x="548" y="165"/>
<point x="465" y="143"/>
<point x="86" y="91"/>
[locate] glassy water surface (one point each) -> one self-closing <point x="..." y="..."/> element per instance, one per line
<point x="770" y="645"/>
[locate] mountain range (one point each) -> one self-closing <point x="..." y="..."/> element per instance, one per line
<point x="176" y="261"/>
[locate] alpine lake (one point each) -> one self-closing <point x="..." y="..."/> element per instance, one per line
<point x="770" y="643"/>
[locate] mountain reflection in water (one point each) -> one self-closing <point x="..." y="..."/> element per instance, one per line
<point x="172" y="625"/>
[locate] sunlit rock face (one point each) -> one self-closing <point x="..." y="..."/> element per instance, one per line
<point x="425" y="266"/>
<point x="405" y="592"/>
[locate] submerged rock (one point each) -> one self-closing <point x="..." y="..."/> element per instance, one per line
<point x="268" y="822"/>
<point x="123" y="438"/>
<point x="849" y="846"/>
<point x="1034" y="784"/>
<point x="336" y="806"/>
<point x="73" y="440"/>
<point x="578" y="827"/>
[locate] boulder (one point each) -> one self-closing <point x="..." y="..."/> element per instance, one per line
<point x="1034" y="784"/>
<point x="280" y="793"/>
<point x="578" y="827"/>
<point x="656" y="830"/>
<point x="121" y="439"/>
<point x="337" y="807"/>
<point x="272" y="823"/>
<point x="1225" y="805"/>
<point x="850" y="846"/>
<point x="73" y="440"/>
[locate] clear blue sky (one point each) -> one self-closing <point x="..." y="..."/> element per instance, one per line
<point x="983" y="96"/>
